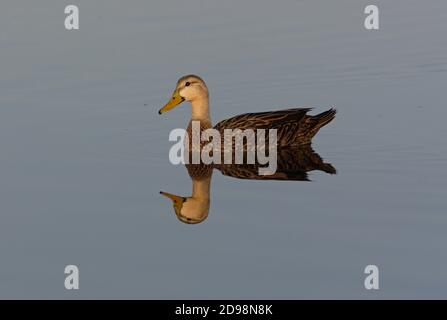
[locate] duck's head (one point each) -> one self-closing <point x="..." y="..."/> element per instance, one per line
<point x="189" y="88"/>
<point x="189" y="210"/>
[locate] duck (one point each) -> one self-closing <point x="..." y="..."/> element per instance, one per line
<point x="294" y="126"/>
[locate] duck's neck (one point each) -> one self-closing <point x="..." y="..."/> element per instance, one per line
<point x="200" y="109"/>
<point x="201" y="188"/>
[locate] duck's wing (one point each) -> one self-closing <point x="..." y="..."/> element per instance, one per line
<point x="294" y="127"/>
<point x="264" y="120"/>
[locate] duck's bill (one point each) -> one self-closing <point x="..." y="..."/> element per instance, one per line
<point x="171" y="196"/>
<point x="176" y="200"/>
<point x="175" y="101"/>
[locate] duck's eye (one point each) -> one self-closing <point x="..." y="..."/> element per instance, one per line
<point x="187" y="83"/>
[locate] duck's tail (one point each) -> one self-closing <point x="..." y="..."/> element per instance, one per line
<point x="320" y="120"/>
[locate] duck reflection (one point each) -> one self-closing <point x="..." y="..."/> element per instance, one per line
<point x="194" y="209"/>
<point x="293" y="164"/>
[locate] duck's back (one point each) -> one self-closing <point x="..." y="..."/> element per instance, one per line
<point x="294" y="127"/>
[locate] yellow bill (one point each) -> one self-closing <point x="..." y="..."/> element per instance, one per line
<point x="174" y="101"/>
<point x="177" y="201"/>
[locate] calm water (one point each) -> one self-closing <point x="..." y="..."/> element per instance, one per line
<point x="84" y="153"/>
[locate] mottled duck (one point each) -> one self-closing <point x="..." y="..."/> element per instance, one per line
<point x="294" y="126"/>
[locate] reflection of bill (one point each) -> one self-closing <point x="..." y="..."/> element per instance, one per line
<point x="207" y="146"/>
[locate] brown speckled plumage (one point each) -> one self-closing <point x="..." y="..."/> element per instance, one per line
<point x="294" y="126"/>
